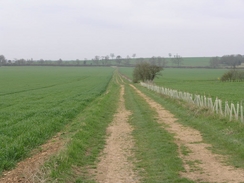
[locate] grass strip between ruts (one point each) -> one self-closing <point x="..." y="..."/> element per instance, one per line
<point x="225" y="137"/>
<point x="156" y="153"/>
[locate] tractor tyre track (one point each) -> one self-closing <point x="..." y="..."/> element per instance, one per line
<point x="114" y="165"/>
<point x="200" y="163"/>
<point x="28" y="170"/>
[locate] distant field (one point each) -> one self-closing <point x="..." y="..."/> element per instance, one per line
<point x="195" y="61"/>
<point x="187" y="61"/>
<point x="198" y="81"/>
<point x="128" y="71"/>
<point x="37" y="102"/>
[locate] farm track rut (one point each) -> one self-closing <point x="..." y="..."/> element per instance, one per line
<point x="114" y="165"/>
<point x="200" y="163"/>
<point x="27" y="170"/>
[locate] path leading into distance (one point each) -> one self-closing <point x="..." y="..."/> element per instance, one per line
<point x="116" y="161"/>
<point x="114" y="165"/>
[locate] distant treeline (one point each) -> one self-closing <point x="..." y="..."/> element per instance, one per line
<point x="232" y="61"/>
<point x="176" y="61"/>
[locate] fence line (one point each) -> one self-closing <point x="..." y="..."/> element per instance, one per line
<point x="215" y="106"/>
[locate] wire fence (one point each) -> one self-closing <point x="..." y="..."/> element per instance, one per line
<point x="216" y="106"/>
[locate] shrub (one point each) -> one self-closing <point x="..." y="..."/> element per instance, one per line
<point x="145" y="72"/>
<point x="233" y="75"/>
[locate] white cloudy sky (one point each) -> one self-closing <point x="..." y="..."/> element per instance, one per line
<point x="78" y="29"/>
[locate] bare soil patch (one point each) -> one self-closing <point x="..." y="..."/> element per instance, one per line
<point x="200" y="163"/>
<point x="114" y="165"/>
<point x="28" y="169"/>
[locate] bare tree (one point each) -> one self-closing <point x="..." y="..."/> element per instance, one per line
<point x="161" y="61"/>
<point x="29" y="62"/>
<point x="20" y="62"/>
<point x="177" y="60"/>
<point x="107" y="61"/>
<point x="127" y="60"/>
<point x="60" y="61"/>
<point x="119" y="59"/>
<point x="77" y="61"/>
<point x="133" y="55"/>
<point x="3" y="60"/>
<point x="232" y="60"/>
<point x="103" y="60"/>
<point x="84" y="62"/>
<point x="164" y="62"/>
<point x="96" y="60"/>
<point x="112" y="55"/>
<point x="41" y="61"/>
<point x="214" y="62"/>
<point x="153" y="60"/>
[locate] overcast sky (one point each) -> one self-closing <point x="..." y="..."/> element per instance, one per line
<point x="78" y="29"/>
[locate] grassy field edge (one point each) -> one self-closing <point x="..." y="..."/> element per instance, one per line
<point x="86" y="139"/>
<point x="37" y="103"/>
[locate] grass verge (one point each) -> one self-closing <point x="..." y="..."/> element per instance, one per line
<point x="155" y="151"/>
<point x="86" y="140"/>
<point x="226" y="137"/>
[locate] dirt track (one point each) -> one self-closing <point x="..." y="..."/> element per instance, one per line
<point x="201" y="164"/>
<point x="27" y="170"/>
<point x="114" y="165"/>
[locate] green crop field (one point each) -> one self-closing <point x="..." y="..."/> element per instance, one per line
<point x="37" y="102"/>
<point x="198" y="81"/>
<point x="76" y="106"/>
<point x="196" y="61"/>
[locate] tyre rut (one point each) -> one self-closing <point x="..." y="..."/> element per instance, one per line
<point x="114" y="165"/>
<point x="200" y="163"/>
